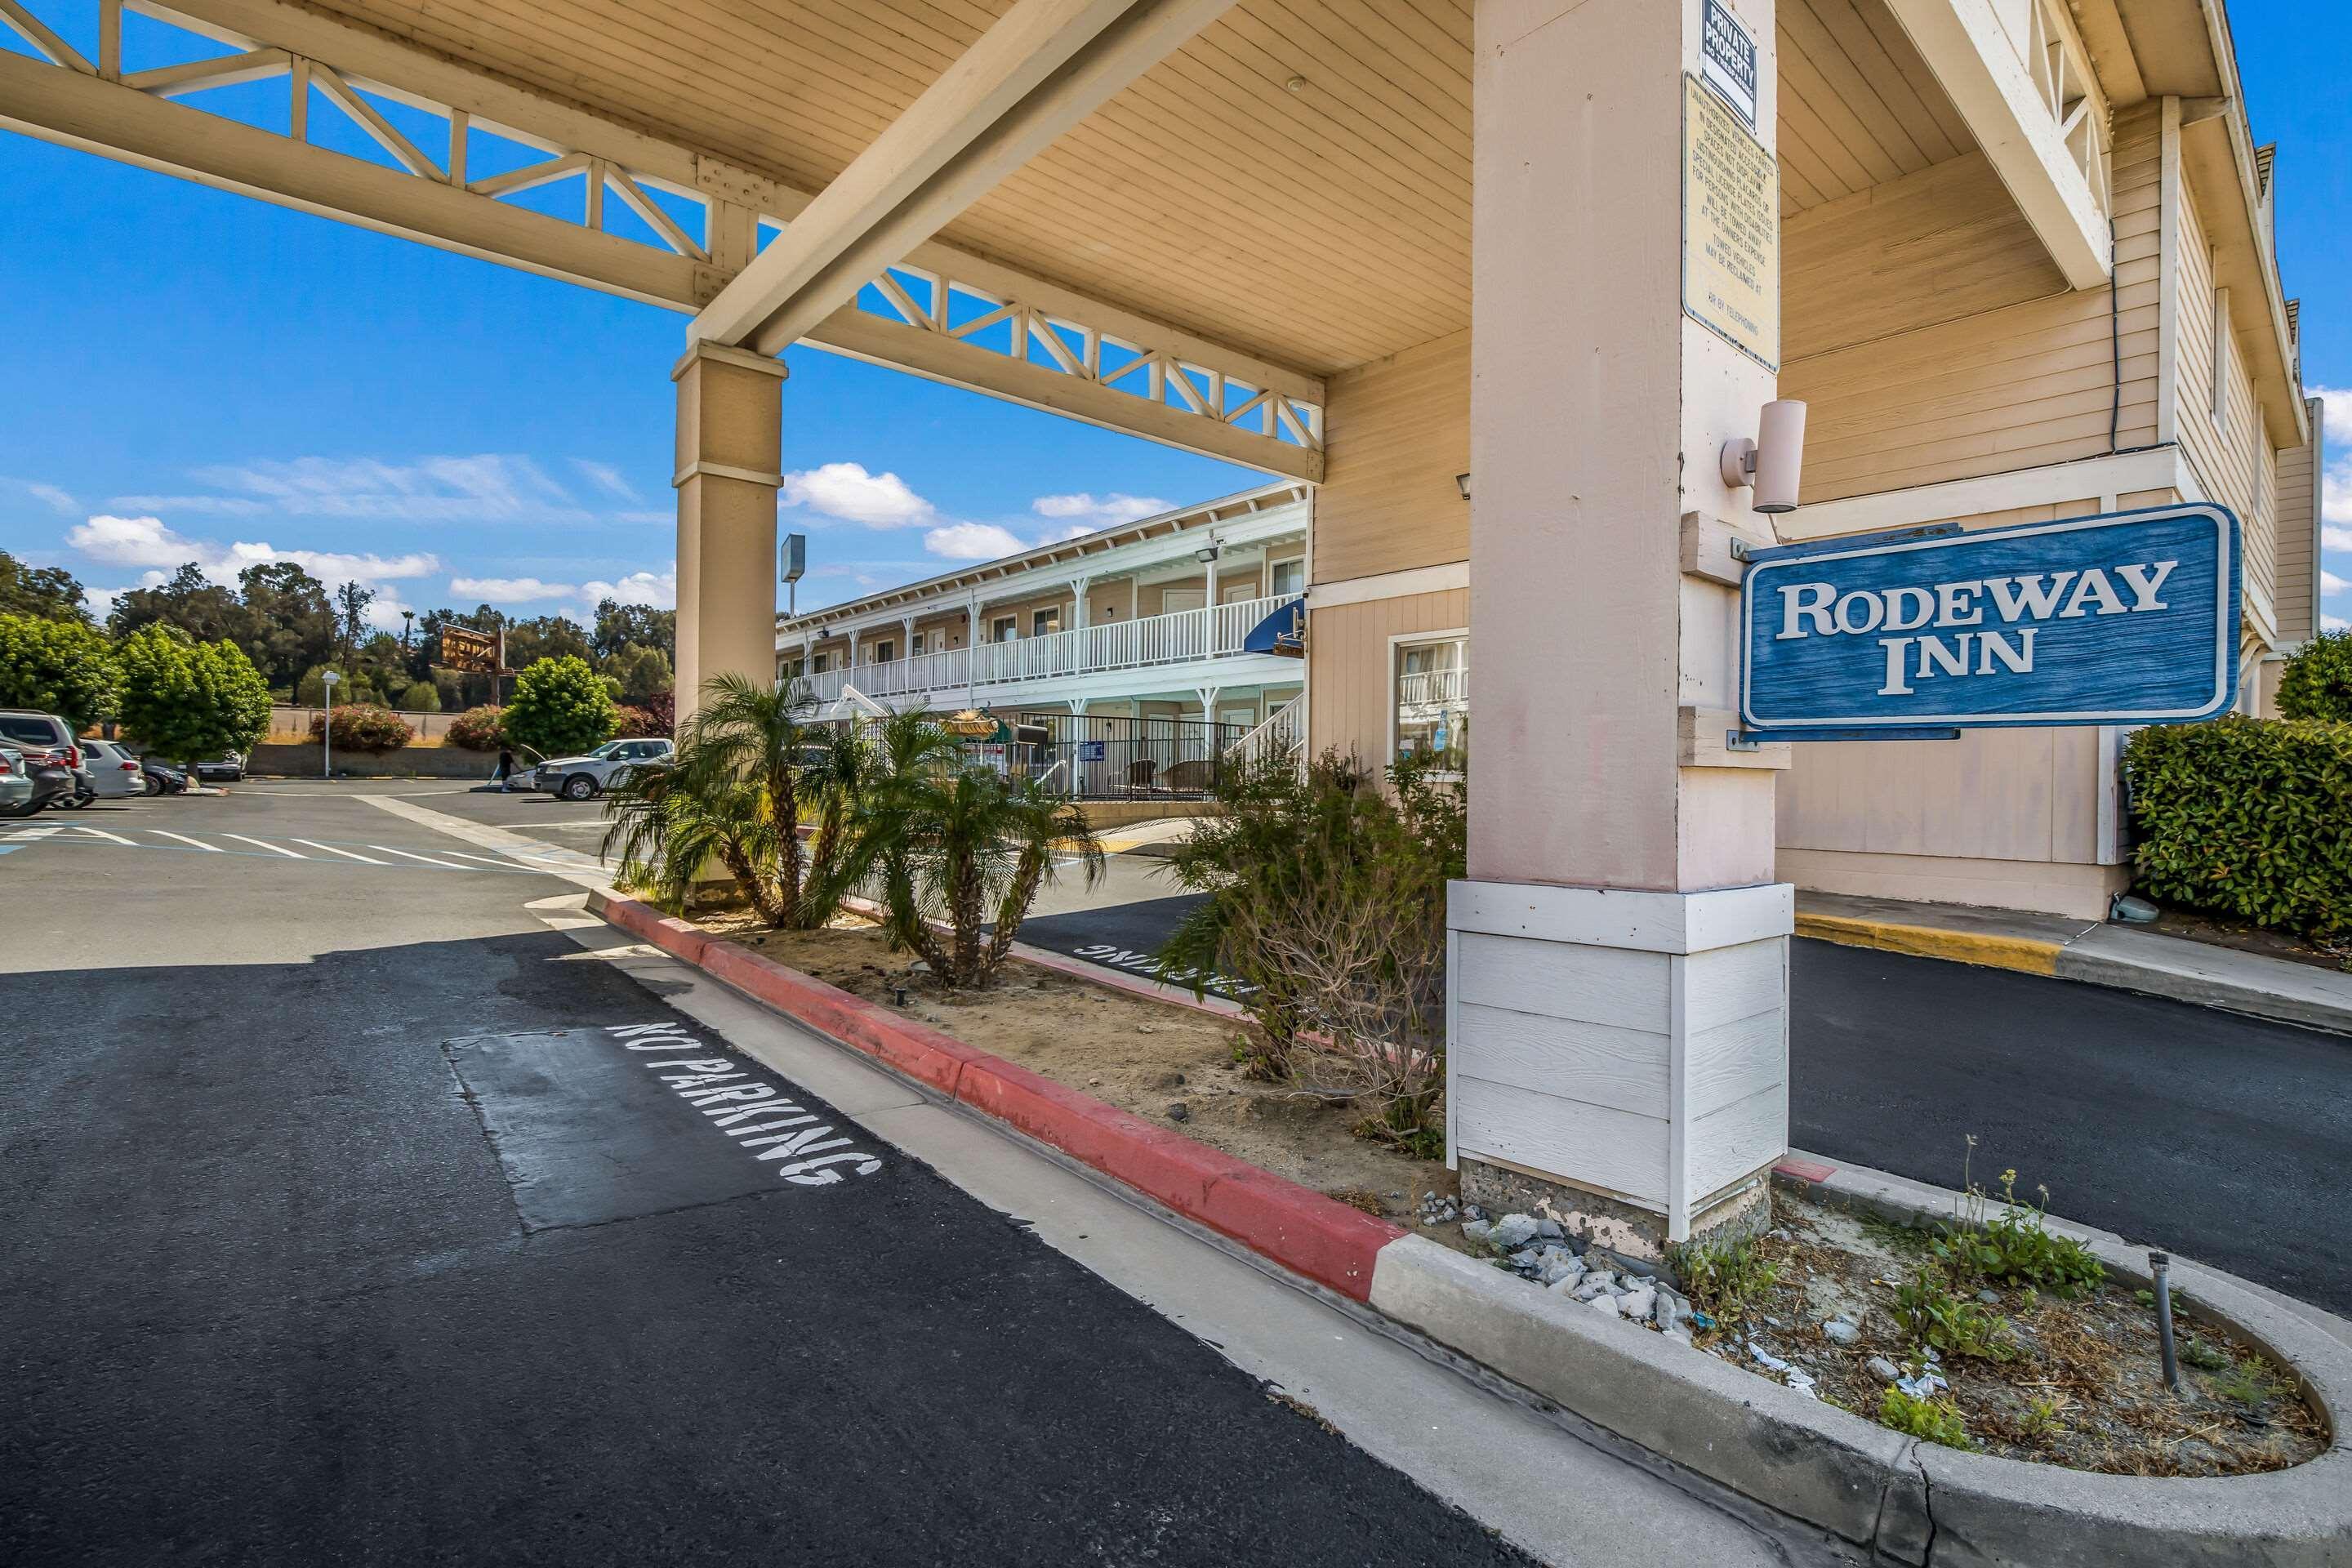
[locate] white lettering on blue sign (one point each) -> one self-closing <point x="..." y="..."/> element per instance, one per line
<point x="2127" y="618"/>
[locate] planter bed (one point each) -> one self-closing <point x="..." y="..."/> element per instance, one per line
<point x="1170" y="1064"/>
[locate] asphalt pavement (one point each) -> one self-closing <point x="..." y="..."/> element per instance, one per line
<point x="354" y="1214"/>
<point x="2221" y="1137"/>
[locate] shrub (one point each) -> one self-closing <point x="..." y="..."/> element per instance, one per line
<point x="186" y="700"/>
<point x="363" y="727"/>
<point x="477" y="730"/>
<point x="421" y="696"/>
<point x="627" y="720"/>
<point x="1328" y="904"/>
<point x="2318" y="681"/>
<point x="560" y="707"/>
<point x="310" y="691"/>
<point x="63" y="667"/>
<point x="2245" y="817"/>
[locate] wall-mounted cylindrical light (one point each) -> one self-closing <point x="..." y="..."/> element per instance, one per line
<point x="1774" y="462"/>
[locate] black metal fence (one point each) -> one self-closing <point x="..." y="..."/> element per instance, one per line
<point x="1095" y="757"/>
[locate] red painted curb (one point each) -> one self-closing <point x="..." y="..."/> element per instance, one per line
<point x="1303" y="1231"/>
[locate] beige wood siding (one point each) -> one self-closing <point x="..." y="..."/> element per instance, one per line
<point x="2014" y="386"/>
<point x="2298" y="537"/>
<point x="1347" y="666"/>
<point x="1400" y="432"/>
<point x="2232" y="454"/>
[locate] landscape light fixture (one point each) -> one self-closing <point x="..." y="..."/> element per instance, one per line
<point x="1770" y="464"/>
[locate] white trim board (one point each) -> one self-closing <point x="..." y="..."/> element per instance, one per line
<point x="2124" y="473"/>
<point x="1441" y="579"/>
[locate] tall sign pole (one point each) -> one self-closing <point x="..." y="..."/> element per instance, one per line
<point x="327" y="726"/>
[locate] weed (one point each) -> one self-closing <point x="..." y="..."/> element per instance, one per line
<point x="2202" y="1356"/>
<point x="2041" y="1420"/>
<point x="1903" y="1240"/>
<point x="1933" y="1420"/>
<point x="1723" y="1279"/>
<point x="2014" y="1247"/>
<point x="1932" y="1315"/>
<point x="2250" y="1382"/>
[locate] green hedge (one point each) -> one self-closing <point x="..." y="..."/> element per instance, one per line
<point x="2250" y="818"/>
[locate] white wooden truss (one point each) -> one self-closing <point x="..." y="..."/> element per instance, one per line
<point x="694" y="221"/>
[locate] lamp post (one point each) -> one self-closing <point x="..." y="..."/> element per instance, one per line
<point x="327" y="728"/>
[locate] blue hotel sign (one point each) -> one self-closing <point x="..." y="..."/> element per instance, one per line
<point x="2126" y="618"/>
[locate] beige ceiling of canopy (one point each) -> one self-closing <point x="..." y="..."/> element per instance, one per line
<point x="1296" y="180"/>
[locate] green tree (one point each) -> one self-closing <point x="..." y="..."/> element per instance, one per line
<point x="352" y="602"/>
<point x="48" y="593"/>
<point x="189" y="700"/>
<point x="619" y="624"/>
<point x="421" y="697"/>
<point x="643" y="672"/>
<point x="2318" y="681"/>
<point x="547" y="637"/>
<point x="310" y="691"/>
<point x="62" y="666"/>
<point x="190" y="600"/>
<point x="559" y="707"/>
<point x="290" y="627"/>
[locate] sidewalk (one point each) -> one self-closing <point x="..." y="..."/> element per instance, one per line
<point x="2127" y="957"/>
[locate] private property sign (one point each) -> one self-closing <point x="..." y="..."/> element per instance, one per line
<point x="2124" y="618"/>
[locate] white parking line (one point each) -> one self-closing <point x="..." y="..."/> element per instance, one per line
<point x="503" y="865"/>
<point x="445" y="865"/>
<point x="265" y="844"/>
<point x="184" y="839"/>
<point x="362" y="859"/>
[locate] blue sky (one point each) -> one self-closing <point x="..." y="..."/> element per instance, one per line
<point x="186" y="375"/>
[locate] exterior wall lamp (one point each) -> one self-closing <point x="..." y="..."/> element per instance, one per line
<point x="1462" y="483"/>
<point x="1772" y="463"/>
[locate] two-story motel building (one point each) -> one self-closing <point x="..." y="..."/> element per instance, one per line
<point x="1498" y="280"/>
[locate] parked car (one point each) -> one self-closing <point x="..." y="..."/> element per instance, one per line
<point x="51" y="754"/>
<point x="585" y="778"/>
<point x="162" y="778"/>
<point x="16" y="796"/>
<point x="226" y="768"/>
<point x="113" y="770"/>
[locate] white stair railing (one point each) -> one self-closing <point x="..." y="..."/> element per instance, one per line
<point x="1281" y="738"/>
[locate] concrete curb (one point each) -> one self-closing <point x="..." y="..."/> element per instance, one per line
<point x="1906" y="1502"/>
<point x="2119" y="958"/>
<point x="2024" y="954"/>
<point x="1325" y="1240"/>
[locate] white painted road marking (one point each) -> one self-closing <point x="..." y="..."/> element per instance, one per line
<point x="184" y="839"/>
<point x="445" y="865"/>
<point x="723" y="1091"/>
<point x="265" y="844"/>
<point x="362" y="859"/>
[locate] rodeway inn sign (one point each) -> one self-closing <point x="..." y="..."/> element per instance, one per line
<point x="2126" y="618"/>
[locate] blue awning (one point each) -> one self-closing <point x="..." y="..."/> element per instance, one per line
<point x="1284" y="631"/>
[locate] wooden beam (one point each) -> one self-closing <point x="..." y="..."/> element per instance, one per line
<point x="1039" y="69"/>
<point x="1972" y="55"/>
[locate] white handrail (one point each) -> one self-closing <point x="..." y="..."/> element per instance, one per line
<point x="1213" y="631"/>
<point x="1282" y="735"/>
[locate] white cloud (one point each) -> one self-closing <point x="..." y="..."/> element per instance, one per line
<point x="605" y="478"/>
<point x="51" y="495"/>
<point x="972" y="541"/>
<point x="146" y="541"/>
<point x="496" y="589"/>
<point x="102" y="600"/>
<point x="1090" y="512"/>
<point x="490" y="486"/>
<point x="2329" y="582"/>
<point x="2335" y="536"/>
<point x="846" y="491"/>
<point x="657" y="589"/>
<point x="2334" y="624"/>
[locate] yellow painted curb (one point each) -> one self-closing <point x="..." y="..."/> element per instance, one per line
<point x="2022" y="953"/>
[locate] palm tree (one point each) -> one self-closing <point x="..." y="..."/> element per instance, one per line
<point x="733" y="793"/>
<point x="964" y="842"/>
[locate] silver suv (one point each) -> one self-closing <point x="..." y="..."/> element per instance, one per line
<point x="585" y="778"/>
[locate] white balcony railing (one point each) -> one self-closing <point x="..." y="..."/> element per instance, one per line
<point x="1433" y="687"/>
<point x="1186" y="637"/>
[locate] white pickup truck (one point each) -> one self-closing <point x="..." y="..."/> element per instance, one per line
<point x="585" y="778"/>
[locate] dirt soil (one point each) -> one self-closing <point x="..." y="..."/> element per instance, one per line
<point x="2084" y="1385"/>
<point x="1170" y="1064"/>
<point x="2220" y="931"/>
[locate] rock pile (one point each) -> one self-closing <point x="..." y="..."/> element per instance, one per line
<point x="1540" y="1251"/>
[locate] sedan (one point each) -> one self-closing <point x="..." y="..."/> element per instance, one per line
<point x="226" y="768"/>
<point x="15" y="784"/>
<point x="162" y="778"/>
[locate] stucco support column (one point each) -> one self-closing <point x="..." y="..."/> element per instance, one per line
<point x="729" y="449"/>
<point x="1619" y="954"/>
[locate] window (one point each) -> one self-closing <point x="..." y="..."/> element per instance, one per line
<point x="1172" y="600"/>
<point x="817" y="664"/>
<point x="1004" y="628"/>
<point x="1432" y="687"/>
<point x="885" y="651"/>
<point x="1288" y="577"/>
<point x="914" y="646"/>
<point x="1044" y="622"/>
